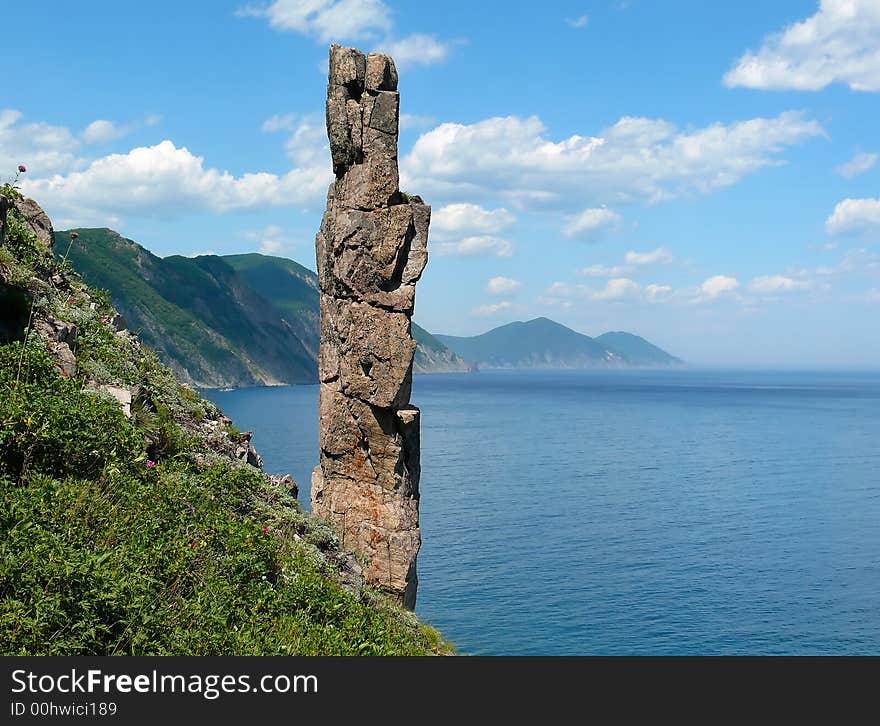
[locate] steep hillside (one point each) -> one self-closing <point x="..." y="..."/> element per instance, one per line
<point x="202" y="318"/>
<point x="538" y="343"/>
<point x="434" y="357"/>
<point x="636" y="350"/>
<point x="134" y="517"/>
<point x="230" y="321"/>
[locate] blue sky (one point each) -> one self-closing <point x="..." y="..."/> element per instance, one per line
<point x="703" y="174"/>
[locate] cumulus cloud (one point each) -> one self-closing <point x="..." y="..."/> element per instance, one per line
<point x="718" y="285"/>
<point x="42" y="147"/>
<point x="859" y="164"/>
<point x="636" y="158"/>
<point x="502" y="286"/>
<point x="486" y="245"/>
<point x="166" y="180"/>
<point x="103" y="131"/>
<point x="617" y="288"/>
<point x="658" y="293"/>
<point x="838" y="44"/>
<point x="337" y="20"/>
<point x="325" y="20"/>
<point x="465" y="230"/>
<point x="633" y="260"/>
<point x="418" y="49"/>
<point x="765" y="284"/>
<point x="589" y="222"/>
<point x="659" y="256"/>
<point x="578" y="22"/>
<point x="271" y="239"/>
<point x="466" y="218"/>
<point x="854" y="215"/>
<point x="492" y="308"/>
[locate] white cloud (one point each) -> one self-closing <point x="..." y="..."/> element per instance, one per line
<point x="418" y="49"/>
<point x="166" y="180"/>
<point x="718" y="285"/>
<point x="777" y="283"/>
<point x="605" y="270"/>
<point x="617" y="288"/>
<point x="636" y="158"/>
<point x="854" y="215"/>
<point x="633" y="260"/>
<point x="859" y="164"/>
<point x="340" y="20"/>
<point x="491" y="309"/>
<point x="466" y="218"/>
<point x="41" y="147"/>
<point x="326" y="20"/>
<point x="153" y="119"/>
<point x="280" y="122"/>
<point x="502" y="286"/>
<point x="658" y="293"/>
<point x="579" y="22"/>
<point x="414" y="121"/>
<point x="271" y="239"/>
<point x="838" y="44"/>
<point x="477" y="245"/>
<point x="873" y="295"/>
<point x="590" y="222"/>
<point x="660" y="256"/>
<point x="103" y="131"/>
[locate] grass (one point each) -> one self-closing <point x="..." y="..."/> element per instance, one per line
<point x="142" y="535"/>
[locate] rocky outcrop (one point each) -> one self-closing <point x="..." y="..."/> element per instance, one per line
<point x="36" y="219"/>
<point x="371" y="250"/>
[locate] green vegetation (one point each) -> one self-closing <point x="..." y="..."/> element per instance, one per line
<point x="235" y="320"/>
<point x="203" y="318"/>
<point x="143" y="534"/>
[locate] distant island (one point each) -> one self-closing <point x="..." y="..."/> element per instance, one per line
<point x="544" y="343"/>
<point x="232" y="321"/>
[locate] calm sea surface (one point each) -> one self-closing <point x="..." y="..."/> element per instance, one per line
<point x="624" y="512"/>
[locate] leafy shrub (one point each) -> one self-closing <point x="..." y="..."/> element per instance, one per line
<point x="49" y="424"/>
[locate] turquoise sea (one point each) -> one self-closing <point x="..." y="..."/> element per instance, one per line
<point x="633" y="512"/>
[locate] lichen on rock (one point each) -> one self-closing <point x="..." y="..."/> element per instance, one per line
<point x="371" y="250"/>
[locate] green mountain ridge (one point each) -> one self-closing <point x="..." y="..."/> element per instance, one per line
<point x="544" y="343"/>
<point x="221" y="321"/>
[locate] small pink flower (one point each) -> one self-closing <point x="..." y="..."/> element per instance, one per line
<point x="150" y="463"/>
<point x="265" y="530"/>
<point x="70" y="299"/>
<point x="22" y="168"/>
<point x="105" y="320"/>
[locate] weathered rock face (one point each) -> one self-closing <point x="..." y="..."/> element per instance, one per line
<point x="37" y="220"/>
<point x="371" y="250"/>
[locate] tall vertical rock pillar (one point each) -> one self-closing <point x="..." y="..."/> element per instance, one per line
<point x="371" y="250"/>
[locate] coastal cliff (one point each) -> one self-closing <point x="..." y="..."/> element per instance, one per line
<point x="136" y="518"/>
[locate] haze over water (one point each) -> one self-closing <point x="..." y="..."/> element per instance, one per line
<point x="633" y="512"/>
